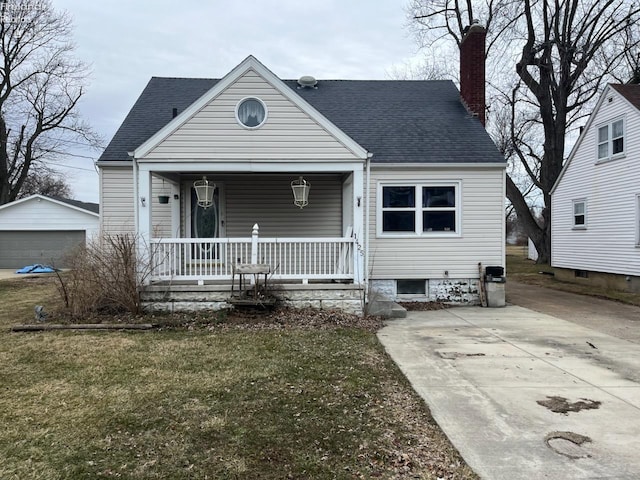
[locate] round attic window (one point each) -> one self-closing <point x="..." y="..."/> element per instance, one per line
<point x="251" y="112"/>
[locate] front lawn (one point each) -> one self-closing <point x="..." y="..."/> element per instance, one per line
<point x="216" y="402"/>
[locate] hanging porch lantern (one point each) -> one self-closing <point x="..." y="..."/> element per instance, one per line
<point x="204" y="192"/>
<point x="300" y="189"/>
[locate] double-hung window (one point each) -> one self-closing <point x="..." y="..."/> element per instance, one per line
<point x="611" y="139"/>
<point x="420" y="209"/>
<point x="580" y="213"/>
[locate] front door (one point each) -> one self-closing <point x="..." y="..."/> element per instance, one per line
<point x="205" y="224"/>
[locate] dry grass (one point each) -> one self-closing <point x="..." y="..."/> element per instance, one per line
<point x="199" y="403"/>
<point x="523" y="270"/>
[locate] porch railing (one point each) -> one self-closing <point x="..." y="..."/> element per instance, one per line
<point x="289" y="258"/>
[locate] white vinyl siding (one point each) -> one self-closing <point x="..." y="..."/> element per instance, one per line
<point x="116" y="208"/>
<point x="268" y="201"/>
<point x="213" y="133"/>
<point x="116" y="200"/>
<point x="161" y="212"/>
<point x="609" y="242"/>
<point x="419" y="257"/>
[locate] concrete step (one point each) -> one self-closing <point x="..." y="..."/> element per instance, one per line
<point x="386" y="308"/>
<point x="398" y="312"/>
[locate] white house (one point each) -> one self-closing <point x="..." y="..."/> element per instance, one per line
<point x="595" y="218"/>
<point x="41" y="229"/>
<point x="406" y="187"/>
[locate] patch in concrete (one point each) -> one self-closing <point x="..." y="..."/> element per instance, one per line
<point x="563" y="405"/>
<point x="455" y="355"/>
<point x="568" y="444"/>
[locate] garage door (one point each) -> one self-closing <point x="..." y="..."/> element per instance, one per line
<point x="18" y="249"/>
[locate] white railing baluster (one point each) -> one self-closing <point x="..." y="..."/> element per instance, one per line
<point x="289" y="258"/>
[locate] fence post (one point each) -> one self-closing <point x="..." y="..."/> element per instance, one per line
<point x="254" y="244"/>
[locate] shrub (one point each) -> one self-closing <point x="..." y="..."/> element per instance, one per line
<point x="103" y="277"/>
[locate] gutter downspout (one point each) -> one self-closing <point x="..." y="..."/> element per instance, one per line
<point x="366" y="226"/>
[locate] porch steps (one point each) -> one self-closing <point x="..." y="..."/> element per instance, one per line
<point x="385" y="308"/>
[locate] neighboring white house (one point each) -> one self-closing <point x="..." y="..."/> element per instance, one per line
<point x="595" y="218"/>
<point x="407" y="188"/>
<point x="40" y="229"/>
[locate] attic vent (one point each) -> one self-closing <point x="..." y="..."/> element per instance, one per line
<point x="307" y="81"/>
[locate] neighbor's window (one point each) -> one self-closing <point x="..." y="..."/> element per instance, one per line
<point x="611" y="139"/>
<point x="579" y="213"/>
<point x="251" y="112"/>
<point x="420" y="209"/>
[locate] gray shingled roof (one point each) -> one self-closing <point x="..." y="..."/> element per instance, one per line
<point x="396" y="120"/>
<point x="91" y="207"/>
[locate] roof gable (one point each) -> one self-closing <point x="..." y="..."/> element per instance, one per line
<point x="614" y="89"/>
<point x="249" y="67"/>
<point x="75" y="205"/>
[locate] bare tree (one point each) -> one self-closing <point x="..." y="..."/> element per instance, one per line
<point x="547" y="61"/>
<point x="40" y="87"/>
<point x="45" y="182"/>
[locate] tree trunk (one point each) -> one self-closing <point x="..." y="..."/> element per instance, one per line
<point x="540" y="235"/>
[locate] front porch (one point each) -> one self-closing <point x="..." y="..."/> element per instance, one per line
<point x="202" y="274"/>
<point x="291" y="259"/>
<point x="310" y="257"/>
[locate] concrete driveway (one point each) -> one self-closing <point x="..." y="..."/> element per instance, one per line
<point x="615" y="318"/>
<point x="493" y="378"/>
<point x="8" y="273"/>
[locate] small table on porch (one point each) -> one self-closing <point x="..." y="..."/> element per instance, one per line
<point x="255" y="269"/>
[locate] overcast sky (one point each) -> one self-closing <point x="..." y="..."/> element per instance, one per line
<point x="128" y="42"/>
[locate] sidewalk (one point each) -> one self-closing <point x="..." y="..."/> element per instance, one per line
<point x="483" y="371"/>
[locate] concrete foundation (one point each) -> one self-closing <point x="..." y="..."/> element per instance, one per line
<point x="189" y="298"/>
<point x="613" y="281"/>
<point x="449" y="290"/>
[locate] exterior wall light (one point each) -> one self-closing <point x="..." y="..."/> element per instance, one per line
<point x="300" y="189"/>
<point x="204" y="192"/>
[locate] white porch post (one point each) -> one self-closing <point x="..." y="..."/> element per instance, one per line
<point x="358" y="224"/>
<point x="175" y="210"/>
<point x="254" y="244"/>
<point x="143" y="228"/>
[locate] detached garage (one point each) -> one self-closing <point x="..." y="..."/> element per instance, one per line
<point x="40" y="229"/>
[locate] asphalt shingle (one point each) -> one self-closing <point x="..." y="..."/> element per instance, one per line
<point x="630" y="92"/>
<point x="399" y="121"/>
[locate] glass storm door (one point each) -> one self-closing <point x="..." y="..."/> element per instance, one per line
<point x="205" y="224"/>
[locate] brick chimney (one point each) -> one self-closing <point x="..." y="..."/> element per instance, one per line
<point x="472" y="79"/>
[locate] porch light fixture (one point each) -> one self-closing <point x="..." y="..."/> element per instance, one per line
<point x="300" y="189"/>
<point x="204" y="192"/>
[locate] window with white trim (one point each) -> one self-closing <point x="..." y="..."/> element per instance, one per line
<point x="419" y="209"/>
<point x="580" y="213"/>
<point x="611" y="140"/>
<point x="251" y="112"/>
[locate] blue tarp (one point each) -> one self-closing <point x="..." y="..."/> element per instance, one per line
<point x="37" y="268"/>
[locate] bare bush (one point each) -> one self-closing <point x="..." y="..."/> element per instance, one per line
<point x="104" y="277"/>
